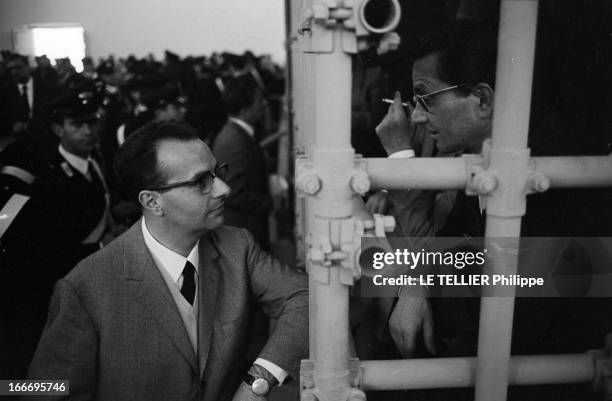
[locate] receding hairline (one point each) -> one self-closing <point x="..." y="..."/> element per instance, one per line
<point x="160" y="164"/>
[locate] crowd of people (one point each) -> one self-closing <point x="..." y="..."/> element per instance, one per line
<point x="59" y="135"/>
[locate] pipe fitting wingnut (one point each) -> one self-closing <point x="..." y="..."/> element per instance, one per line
<point x="356" y="395"/>
<point x="310" y="184"/>
<point x="485" y="182"/>
<point x="360" y="182"/>
<point x="308" y="397"/>
<point x="538" y="181"/>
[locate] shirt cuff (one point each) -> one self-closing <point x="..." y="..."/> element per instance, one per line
<point x="273" y="368"/>
<point x="402" y="154"/>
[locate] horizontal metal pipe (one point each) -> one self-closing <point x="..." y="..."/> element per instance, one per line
<point x="575" y="171"/>
<point x="410" y="374"/>
<point x="451" y="173"/>
<point x="418" y="172"/>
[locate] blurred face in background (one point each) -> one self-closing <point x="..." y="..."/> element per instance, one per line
<point x="77" y="136"/>
<point x="172" y="111"/>
<point x="20" y="70"/>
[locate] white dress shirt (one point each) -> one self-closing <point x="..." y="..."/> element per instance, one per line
<point x="170" y="261"/>
<point x="30" y="91"/>
<point x="402" y="154"/>
<point x="173" y="264"/>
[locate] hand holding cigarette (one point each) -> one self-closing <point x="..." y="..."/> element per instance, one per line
<point x="395" y="130"/>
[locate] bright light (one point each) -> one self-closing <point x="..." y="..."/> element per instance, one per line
<point x="60" y="42"/>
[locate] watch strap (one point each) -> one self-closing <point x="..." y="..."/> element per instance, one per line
<point x="259" y="371"/>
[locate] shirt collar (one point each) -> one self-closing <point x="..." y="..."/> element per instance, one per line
<point x="80" y="164"/>
<point x="170" y="261"/>
<point x="246" y="126"/>
<point x="29" y="84"/>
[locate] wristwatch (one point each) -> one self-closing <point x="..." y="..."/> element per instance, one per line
<point x="259" y="385"/>
<point x="260" y="380"/>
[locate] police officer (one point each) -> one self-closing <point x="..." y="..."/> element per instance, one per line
<point x="56" y="211"/>
<point x="158" y="101"/>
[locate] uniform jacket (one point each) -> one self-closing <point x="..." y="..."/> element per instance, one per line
<point x="64" y="207"/>
<point x="249" y="202"/>
<point x="115" y="332"/>
<point x="42" y="243"/>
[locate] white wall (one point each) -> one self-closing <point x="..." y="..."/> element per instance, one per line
<point x="185" y="27"/>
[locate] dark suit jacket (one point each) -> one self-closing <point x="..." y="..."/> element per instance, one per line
<point x="11" y="108"/>
<point x="115" y="332"/>
<point x="249" y="202"/>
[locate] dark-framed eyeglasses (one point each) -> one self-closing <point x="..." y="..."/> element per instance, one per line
<point x="422" y="99"/>
<point x="204" y="182"/>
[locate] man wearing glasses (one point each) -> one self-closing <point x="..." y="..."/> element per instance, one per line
<point x="162" y="313"/>
<point x="453" y="82"/>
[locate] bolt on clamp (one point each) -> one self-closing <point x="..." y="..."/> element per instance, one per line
<point x="357" y="18"/>
<point x="536" y="181"/>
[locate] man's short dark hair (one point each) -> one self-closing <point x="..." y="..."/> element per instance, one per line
<point x="239" y="93"/>
<point x="466" y="50"/>
<point x="136" y="160"/>
<point x="18" y="57"/>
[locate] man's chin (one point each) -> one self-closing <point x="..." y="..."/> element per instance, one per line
<point x="215" y="221"/>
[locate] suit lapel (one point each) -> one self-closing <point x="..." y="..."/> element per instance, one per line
<point x="208" y="284"/>
<point x="151" y="290"/>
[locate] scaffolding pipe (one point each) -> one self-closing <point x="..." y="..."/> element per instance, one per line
<point x="333" y="162"/>
<point x="418" y="172"/>
<point x="506" y="206"/>
<point x="331" y="334"/>
<point x="451" y="173"/>
<point x="575" y="171"/>
<point x="461" y="372"/>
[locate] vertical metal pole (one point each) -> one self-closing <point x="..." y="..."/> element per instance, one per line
<point x="333" y="157"/>
<point x="516" y="49"/>
<point x="297" y="119"/>
<point x="518" y="21"/>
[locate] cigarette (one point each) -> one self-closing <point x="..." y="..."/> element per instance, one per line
<point x="390" y="101"/>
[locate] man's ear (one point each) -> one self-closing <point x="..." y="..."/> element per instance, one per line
<point x="57" y="129"/>
<point x="151" y="201"/>
<point x="485" y="94"/>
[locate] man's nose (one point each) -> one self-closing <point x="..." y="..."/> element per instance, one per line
<point x="220" y="188"/>
<point x="419" y="115"/>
